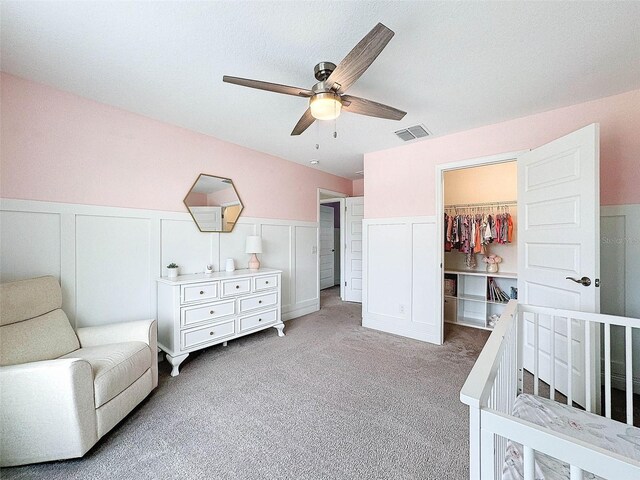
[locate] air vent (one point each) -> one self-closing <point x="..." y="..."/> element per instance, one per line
<point x="412" y="133"/>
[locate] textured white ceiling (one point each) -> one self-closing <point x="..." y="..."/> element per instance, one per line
<point x="451" y="66"/>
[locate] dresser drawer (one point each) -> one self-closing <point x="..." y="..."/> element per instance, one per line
<point x="260" y="301"/>
<point x="200" y="291"/>
<point x="265" y="283"/>
<point x="258" y="320"/>
<point x="207" y="334"/>
<point x="191" y="315"/>
<point x="236" y="287"/>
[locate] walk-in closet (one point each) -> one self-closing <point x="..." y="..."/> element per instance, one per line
<point x="480" y="245"/>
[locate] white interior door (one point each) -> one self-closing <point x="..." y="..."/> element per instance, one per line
<point x="559" y="237"/>
<point x="353" y="249"/>
<point x="327" y="247"/>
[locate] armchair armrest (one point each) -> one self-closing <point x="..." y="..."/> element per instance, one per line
<point x="137" y="331"/>
<point x="47" y="411"/>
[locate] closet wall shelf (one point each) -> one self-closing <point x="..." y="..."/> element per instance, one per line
<point x="472" y="305"/>
<point x="483" y="274"/>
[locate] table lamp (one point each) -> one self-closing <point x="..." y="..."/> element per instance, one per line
<point x="253" y="246"/>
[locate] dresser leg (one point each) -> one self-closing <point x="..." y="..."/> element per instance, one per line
<point x="175" y="363"/>
<point x="224" y="344"/>
<point x="280" y="328"/>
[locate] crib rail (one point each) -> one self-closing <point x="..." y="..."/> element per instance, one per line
<point x="497" y="378"/>
<point x="494" y="382"/>
<point x="581" y="456"/>
<point x="590" y="323"/>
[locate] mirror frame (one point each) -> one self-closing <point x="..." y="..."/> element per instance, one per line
<point x="184" y="200"/>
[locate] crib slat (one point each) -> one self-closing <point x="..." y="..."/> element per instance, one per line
<point x="536" y="346"/>
<point x="607" y="370"/>
<point x="529" y="463"/>
<point x="569" y="361"/>
<point x="587" y="365"/>
<point x="576" y="473"/>
<point x="628" y="331"/>
<point x="552" y="358"/>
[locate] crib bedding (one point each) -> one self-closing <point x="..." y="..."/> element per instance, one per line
<point x="588" y="427"/>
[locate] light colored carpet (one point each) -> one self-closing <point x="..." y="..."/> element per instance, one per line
<point x="331" y="400"/>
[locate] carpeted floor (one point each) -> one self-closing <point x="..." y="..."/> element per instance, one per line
<point x="331" y="400"/>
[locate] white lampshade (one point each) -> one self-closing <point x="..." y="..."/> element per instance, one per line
<point x="254" y="244"/>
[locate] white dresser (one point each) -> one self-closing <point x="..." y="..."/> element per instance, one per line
<point x="197" y="311"/>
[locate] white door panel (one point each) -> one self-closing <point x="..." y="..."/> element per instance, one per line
<point x="353" y="249"/>
<point x="558" y="231"/>
<point x="327" y="247"/>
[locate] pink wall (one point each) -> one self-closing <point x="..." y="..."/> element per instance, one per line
<point x="63" y="148"/>
<point x="401" y="181"/>
<point x="358" y="187"/>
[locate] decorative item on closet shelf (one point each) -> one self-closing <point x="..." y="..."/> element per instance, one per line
<point x="172" y="270"/>
<point x="492" y="262"/>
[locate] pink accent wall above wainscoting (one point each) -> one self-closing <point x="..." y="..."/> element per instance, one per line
<point x="401" y="181"/>
<point x="60" y="147"/>
<point x="358" y="187"/>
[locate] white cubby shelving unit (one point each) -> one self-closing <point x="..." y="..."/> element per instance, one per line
<point x="469" y="303"/>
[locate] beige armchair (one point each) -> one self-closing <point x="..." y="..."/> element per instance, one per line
<point x="60" y="390"/>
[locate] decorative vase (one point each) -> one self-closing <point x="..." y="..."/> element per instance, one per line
<point x="172" y="272"/>
<point x="492" y="267"/>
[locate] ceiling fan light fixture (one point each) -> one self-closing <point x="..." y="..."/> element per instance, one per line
<point x="325" y="106"/>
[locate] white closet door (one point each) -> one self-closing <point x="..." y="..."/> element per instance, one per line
<point x="327" y="247"/>
<point x="559" y="237"/>
<point x="353" y="249"/>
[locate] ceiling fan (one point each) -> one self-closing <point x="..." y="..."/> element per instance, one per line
<point x="327" y="97"/>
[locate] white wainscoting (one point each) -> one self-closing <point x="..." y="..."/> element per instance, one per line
<point x="620" y="272"/>
<point x="108" y="258"/>
<point x="400" y="274"/>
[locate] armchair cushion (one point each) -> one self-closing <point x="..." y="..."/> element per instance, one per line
<point x="115" y="367"/>
<point x="33" y="326"/>
<point x="42" y="338"/>
<point x="27" y="299"/>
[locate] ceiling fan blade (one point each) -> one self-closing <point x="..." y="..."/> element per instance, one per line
<point x="305" y="121"/>
<point x="359" y="59"/>
<point x="363" y="106"/>
<point x="270" y="87"/>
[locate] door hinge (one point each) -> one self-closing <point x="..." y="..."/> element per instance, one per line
<point x="345" y="284"/>
<point x="597" y="282"/>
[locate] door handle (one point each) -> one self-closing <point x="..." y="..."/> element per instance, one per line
<point x="585" y="281"/>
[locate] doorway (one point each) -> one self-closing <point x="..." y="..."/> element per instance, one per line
<point x="331" y="218"/>
<point x="480" y="243"/>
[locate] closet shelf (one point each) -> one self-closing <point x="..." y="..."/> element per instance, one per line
<point x="483" y="274"/>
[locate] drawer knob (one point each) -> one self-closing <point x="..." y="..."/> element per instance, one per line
<point x="267" y="282"/>
<point x="259" y="319"/>
<point x="211" y="333"/>
<point x="237" y="286"/>
<point x="201" y="292"/>
<point x="259" y="301"/>
<point x="211" y="312"/>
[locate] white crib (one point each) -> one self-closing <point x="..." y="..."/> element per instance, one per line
<point x="493" y="387"/>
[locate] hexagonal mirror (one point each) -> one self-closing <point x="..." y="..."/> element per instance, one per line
<point x="213" y="203"/>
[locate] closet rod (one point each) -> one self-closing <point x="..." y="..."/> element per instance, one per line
<point x="487" y="204"/>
